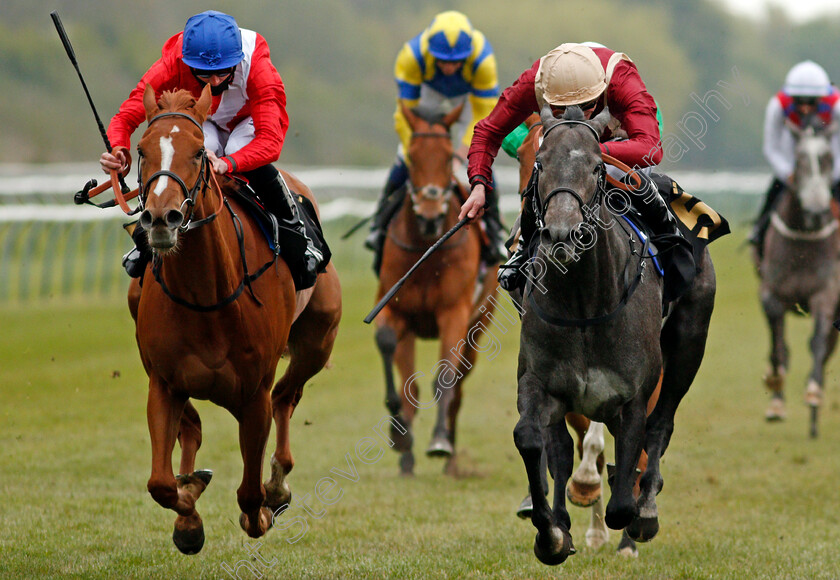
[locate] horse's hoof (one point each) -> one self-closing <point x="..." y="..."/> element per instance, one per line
<point x="526" y="508"/>
<point x="643" y="529"/>
<point x="813" y="395"/>
<point x="189" y="541"/>
<point x="402" y="440"/>
<point x="194" y="483"/>
<point x="596" y="538"/>
<point x="277" y="490"/>
<point x="775" y="410"/>
<point x="440" y="447"/>
<point x="263" y="526"/>
<point x="407" y="464"/>
<point x="618" y="518"/>
<point x="204" y="475"/>
<point x="555" y="549"/>
<point x="627" y="547"/>
<point x="583" y="494"/>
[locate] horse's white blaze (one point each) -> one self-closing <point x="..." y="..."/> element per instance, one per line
<point x="167" y="154"/>
<point x="815" y="193"/>
<point x="593" y="446"/>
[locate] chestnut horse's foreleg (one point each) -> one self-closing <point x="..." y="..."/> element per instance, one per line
<point x="189" y="438"/>
<point x="254" y="425"/>
<point x="396" y="345"/>
<point x="410" y="401"/>
<point x="164" y="412"/>
<point x="454" y="337"/>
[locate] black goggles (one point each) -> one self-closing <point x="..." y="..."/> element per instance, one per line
<point x="206" y="74"/>
<point x="806" y="101"/>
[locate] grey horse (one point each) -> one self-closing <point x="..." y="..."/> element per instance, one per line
<point x="799" y="269"/>
<point x="593" y="340"/>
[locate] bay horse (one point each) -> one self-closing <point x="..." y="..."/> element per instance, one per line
<point x="441" y="300"/>
<point x="584" y="488"/>
<point x="210" y="325"/>
<point x="593" y="340"/>
<point x="799" y="269"/>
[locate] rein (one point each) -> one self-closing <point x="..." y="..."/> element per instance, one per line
<point x="201" y="185"/>
<point x="802" y="235"/>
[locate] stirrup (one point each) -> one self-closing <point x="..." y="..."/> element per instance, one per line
<point x="135" y="263"/>
<point x="510" y="274"/>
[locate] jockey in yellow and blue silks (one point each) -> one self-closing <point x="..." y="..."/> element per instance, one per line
<point x="447" y="64"/>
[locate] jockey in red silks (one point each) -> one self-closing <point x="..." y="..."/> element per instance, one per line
<point x="591" y="77"/>
<point x="247" y="125"/>
<point x="807" y="98"/>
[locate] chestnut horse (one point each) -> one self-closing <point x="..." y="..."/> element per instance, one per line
<point x="440" y="299"/>
<point x="584" y="489"/>
<point x="215" y="312"/>
<point x="799" y="267"/>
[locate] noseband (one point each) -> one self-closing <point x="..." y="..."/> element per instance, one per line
<point x="190" y="194"/>
<point x="541" y="205"/>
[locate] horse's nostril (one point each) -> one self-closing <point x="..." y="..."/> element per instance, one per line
<point x="174" y="218"/>
<point x="146" y="219"/>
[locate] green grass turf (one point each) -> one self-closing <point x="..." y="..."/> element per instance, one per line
<point x="742" y="498"/>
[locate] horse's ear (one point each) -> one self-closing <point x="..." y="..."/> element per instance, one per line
<point x="202" y="106"/>
<point x="150" y="102"/>
<point x="547" y="118"/>
<point x="409" y="115"/>
<point x="601" y="120"/>
<point x="453" y="116"/>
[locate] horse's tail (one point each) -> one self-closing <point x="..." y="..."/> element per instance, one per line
<point x="482" y="303"/>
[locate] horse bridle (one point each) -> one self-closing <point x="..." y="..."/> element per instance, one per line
<point x="541" y="205"/>
<point x="202" y="183"/>
<point x="453" y="184"/>
<point x="190" y="194"/>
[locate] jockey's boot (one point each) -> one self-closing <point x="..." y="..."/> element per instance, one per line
<point x="494" y="252"/>
<point x="762" y="222"/>
<point x="136" y="260"/>
<point x="674" y="252"/>
<point x="384" y="208"/>
<point x="511" y="277"/>
<point x="305" y="257"/>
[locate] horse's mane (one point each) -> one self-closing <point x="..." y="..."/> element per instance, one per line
<point x="176" y="101"/>
<point x="573" y="113"/>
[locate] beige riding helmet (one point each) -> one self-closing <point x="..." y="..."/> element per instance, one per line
<point x="570" y="74"/>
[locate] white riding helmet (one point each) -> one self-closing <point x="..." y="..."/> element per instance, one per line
<point x="570" y="74"/>
<point x="807" y="79"/>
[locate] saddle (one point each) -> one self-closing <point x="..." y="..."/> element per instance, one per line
<point x="280" y="236"/>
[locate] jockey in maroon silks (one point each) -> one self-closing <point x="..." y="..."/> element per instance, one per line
<point x="592" y="77"/>
<point x="247" y="125"/>
<point x="807" y="98"/>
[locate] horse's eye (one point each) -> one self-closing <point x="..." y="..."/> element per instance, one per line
<point x="200" y="153"/>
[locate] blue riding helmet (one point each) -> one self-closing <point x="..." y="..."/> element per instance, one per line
<point x="212" y="41"/>
<point x="450" y="36"/>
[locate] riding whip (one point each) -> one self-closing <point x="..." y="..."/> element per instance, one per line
<point x="422" y="259"/>
<point x="65" y="40"/>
